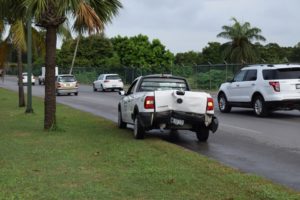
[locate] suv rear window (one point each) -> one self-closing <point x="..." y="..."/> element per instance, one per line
<point x="152" y="84"/>
<point x="113" y="77"/>
<point x="286" y="73"/>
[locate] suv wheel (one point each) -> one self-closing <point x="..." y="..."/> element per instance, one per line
<point x="138" y="131"/>
<point x="259" y="106"/>
<point x="121" y="123"/>
<point x="202" y="133"/>
<point x="223" y="104"/>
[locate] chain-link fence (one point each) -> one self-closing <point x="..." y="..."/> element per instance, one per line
<point x="204" y="77"/>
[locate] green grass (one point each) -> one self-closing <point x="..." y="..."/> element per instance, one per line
<point x="90" y="158"/>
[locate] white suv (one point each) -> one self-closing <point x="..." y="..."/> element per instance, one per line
<point x="264" y="88"/>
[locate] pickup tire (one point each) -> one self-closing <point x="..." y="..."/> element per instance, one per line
<point x="138" y="131"/>
<point x="121" y="123"/>
<point x="202" y="134"/>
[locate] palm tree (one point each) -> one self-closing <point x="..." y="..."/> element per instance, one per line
<point x="17" y="37"/>
<point x="89" y="16"/>
<point x="240" y="49"/>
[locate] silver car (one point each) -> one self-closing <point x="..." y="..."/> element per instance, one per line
<point x="66" y="84"/>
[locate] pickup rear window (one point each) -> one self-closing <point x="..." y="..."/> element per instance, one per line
<point x="286" y="73"/>
<point x="153" y="84"/>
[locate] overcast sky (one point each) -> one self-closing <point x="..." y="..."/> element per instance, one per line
<point x="185" y="25"/>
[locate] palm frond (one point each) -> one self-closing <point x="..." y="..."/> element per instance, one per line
<point x="106" y="9"/>
<point x="38" y="42"/>
<point x="87" y="19"/>
<point x="18" y="35"/>
<point x="64" y="31"/>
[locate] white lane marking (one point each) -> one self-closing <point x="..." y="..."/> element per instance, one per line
<point x="240" y="128"/>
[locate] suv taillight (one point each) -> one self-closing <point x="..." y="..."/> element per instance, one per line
<point x="210" y="104"/>
<point x="149" y="102"/>
<point x="275" y="85"/>
<point x="106" y="81"/>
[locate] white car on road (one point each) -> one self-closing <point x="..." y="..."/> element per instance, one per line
<point x="265" y="88"/>
<point x="25" y="78"/>
<point x="166" y="102"/>
<point x="108" y="82"/>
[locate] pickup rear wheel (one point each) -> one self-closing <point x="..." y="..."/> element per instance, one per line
<point x="223" y="104"/>
<point x="138" y="131"/>
<point x="121" y="123"/>
<point x="202" y="134"/>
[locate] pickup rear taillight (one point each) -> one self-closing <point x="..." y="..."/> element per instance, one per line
<point x="210" y="104"/>
<point x="59" y="85"/>
<point x="275" y="85"/>
<point x="149" y="102"/>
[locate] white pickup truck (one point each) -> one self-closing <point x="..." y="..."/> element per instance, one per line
<point x="166" y="102"/>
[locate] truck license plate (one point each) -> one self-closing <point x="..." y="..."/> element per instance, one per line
<point x="177" y="121"/>
<point x="297" y="86"/>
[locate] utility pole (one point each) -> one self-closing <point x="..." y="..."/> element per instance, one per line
<point x="29" y="67"/>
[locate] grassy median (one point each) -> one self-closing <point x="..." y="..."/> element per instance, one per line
<point x="90" y="158"/>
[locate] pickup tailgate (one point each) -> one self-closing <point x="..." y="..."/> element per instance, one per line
<point x="185" y="101"/>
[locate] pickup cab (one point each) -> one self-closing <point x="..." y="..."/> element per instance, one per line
<point x="166" y="102"/>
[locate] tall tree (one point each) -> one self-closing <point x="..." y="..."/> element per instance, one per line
<point x="240" y="48"/>
<point x="295" y="54"/>
<point x="189" y="58"/>
<point x="17" y="37"/>
<point x="140" y="53"/>
<point x="212" y="53"/>
<point x="89" y="16"/>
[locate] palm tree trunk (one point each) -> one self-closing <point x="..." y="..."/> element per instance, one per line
<point x="20" y="79"/>
<point x="50" y="98"/>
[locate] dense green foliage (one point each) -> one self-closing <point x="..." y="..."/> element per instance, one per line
<point x="139" y="52"/>
<point x="94" y="51"/>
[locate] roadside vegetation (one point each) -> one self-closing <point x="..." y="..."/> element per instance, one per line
<point x="88" y="157"/>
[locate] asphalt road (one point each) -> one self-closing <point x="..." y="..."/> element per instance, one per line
<point x="269" y="147"/>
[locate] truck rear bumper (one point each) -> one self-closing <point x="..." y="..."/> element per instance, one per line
<point x="191" y="121"/>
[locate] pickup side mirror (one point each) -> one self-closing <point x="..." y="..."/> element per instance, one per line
<point x="230" y="80"/>
<point x="122" y="92"/>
